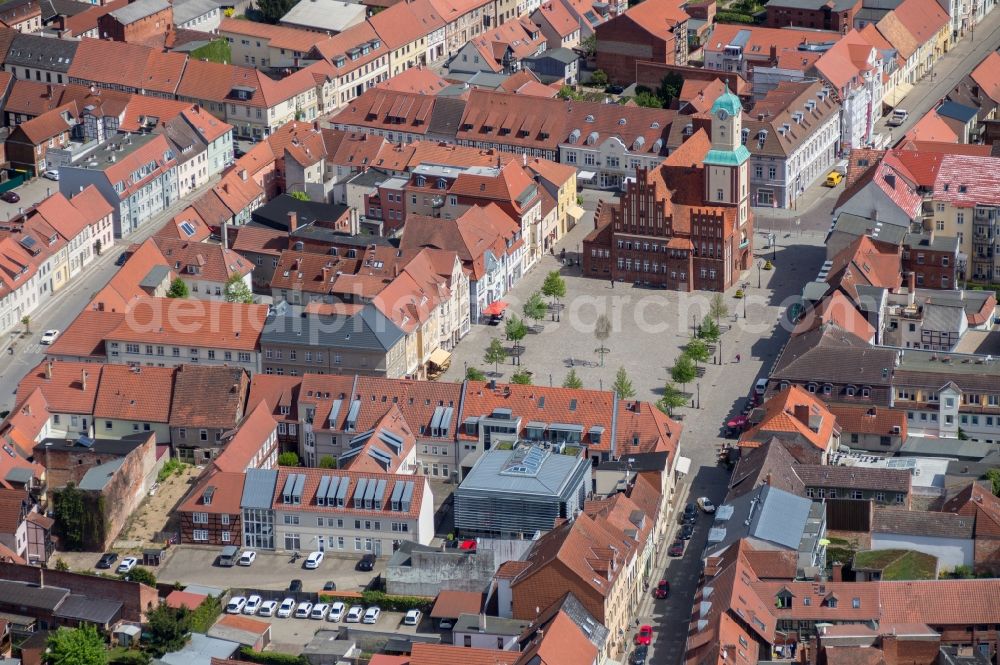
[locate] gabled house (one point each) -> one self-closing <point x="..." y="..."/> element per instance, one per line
<point x="499" y="50"/>
<point x="658" y="30"/>
<point x="28" y="143"/>
<point x="800" y="420"/>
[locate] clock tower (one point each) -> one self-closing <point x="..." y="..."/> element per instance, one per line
<point x="726" y="162"/>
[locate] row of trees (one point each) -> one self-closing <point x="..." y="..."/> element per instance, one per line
<point x="698" y="350"/>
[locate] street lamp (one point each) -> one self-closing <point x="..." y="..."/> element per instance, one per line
<point x="760" y="262"/>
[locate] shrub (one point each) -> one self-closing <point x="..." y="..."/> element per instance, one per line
<point x="288" y="459"/>
<point x="271" y="657"/>
<point x="739" y="294"/>
<point x="383" y="600"/>
<point x="170" y="468"/>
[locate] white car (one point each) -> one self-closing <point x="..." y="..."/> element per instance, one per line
<point x="267" y="608"/>
<point x="412" y="618"/>
<point x="253" y="605"/>
<point x="319" y="611"/>
<point x="372" y="614"/>
<point x="706" y="504"/>
<point x="247" y="558"/>
<point x="303" y="610"/>
<point x="236" y="605"/>
<point x="51" y="174"/>
<point x="897" y="118"/>
<point x="127" y="564"/>
<point x="354" y="614"/>
<point x="49" y="336"/>
<point x="286" y="609"/>
<point x="313" y="560"/>
<point x="336" y="612"/>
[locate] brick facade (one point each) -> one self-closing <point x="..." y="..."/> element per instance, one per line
<point x="823" y="17"/>
<point x="623" y="41"/>
<point x="147" y="30"/>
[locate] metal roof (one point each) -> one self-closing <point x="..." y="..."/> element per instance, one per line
<point x="494" y="472"/>
<point x="192" y="9"/>
<point x="98" y="477"/>
<point x="32" y="596"/>
<point x="200" y="651"/>
<point x="139" y="10"/>
<point x="956" y="111"/>
<point x="87" y="608"/>
<point x="258" y="488"/>
<point x="368" y="329"/>
<point x="768" y="514"/>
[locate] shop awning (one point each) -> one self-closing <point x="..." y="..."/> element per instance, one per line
<point x="495" y="308"/>
<point x="576" y="212"/>
<point x="586" y="175"/>
<point x="440" y="357"/>
<point x="683" y="465"/>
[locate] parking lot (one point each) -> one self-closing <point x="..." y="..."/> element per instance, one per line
<point x="31" y="193"/>
<point x="291" y="635"/>
<point x="190" y="564"/>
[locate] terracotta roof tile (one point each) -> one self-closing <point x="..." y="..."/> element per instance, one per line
<point x="451" y="604"/>
<point x="225" y="497"/>
<point x="142" y="394"/>
<point x="260" y="240"/>
<point x="220" y="325"/>
<point x="250" y="440"/>
<point x="178" y="227"/>
<point x="880" y="421"/>
<point x="370" y="444"/>
<point x="65" y="391"/>
<point x="213" y="263"/>
<point x="277" y="36"/>
<point x="562" y="643"/>
<point x="896" y="34"/>
<point x="987" y="76"/>
<point x="932" y="127"/>
<point x="940" y="602"/>
<point x="130" y="65"/>
<point x="312" y="481"/>
<point x="781" y="417"/>
<point x="901" y="521"/>
<point x="836" y="308"/>
<point x="657" y="17"/>
<point x="558" y="18"/>
<point x="278" y="392"/>
<point x="980" y="503"/>
<point x="399" y="25"/>
<point x="244" y="623"/>
<point x="50" y="124"/>
<point x="922" y="18"/>
<point x="84" y="338"/>
<point x="178" y="599"/>
<point x="208" y="396"/>
<point x="833" y="601"/>
<point x="447" y="654"/>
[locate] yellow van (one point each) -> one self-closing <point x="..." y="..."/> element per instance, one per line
<point x="833" y="178"/>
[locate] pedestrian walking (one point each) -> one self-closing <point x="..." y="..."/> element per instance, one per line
<point x="612" y="282"/>
<point x="737" y="358"/>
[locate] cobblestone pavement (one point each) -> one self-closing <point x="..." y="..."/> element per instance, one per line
<point x="651" y="327"/>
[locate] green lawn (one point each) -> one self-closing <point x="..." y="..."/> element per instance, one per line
<point x="217" y="51"/>
<point x="898" y="565"/>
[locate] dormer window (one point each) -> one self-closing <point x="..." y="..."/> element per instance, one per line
<point x="783" y="600"/>
<point x="744" y="135"/>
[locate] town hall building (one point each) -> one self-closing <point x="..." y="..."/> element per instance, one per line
<point x="685" y="224"/>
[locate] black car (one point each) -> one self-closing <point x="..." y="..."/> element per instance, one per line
<point x="614" y="90"/>
<point x="122" y="258"/>
<point x="10" y="197"/>
<point x="677" y="548"/>
<point x="295" y="586"/>
<point x="107" y="560"/>
<point x="686" y="532"/>
<point x="329" y="586"/>
<point x="367" y="563"/>
<point x="639" y="655"/>
<point x="690" y="514"/>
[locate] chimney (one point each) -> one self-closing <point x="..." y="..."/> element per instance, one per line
<point x="838" y="572"/>
<point x="912" y="287"/>
<point x="482" y="622"/>
<point x="326" y="274"/>
<point x="293" y="221"/>
<point x="225" y="235"/>
<point x="83" y="379"/>
<point x="802" y="414"/>
<point x="243" y="175"/>
<point x="48" y="370"/>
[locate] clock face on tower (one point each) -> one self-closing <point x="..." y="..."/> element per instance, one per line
<point x="721" y="114"/>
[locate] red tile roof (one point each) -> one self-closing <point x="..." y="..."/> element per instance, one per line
<point x="393" y="423"/>
<point x="966" y="181"/>
<point x="657" y="17"/>
<point x="84" y="338"/>
<point x="63" y="386"/>
<point x="978" y="501"/>
<point x="214" y="82"/>
<point x="226" y="496"/>
<point x="986" y="75"/>
<point x="399" y="25"/>
<point x="844" y="63"/>
<point x="142" y="394"/>
<point x="922" y="18"/>
<point x="212" y="262"/>
<point x="178" y="599"/>
<point x="932" y="128"/>
<point x="174" y="227"/>
<point x="780" y="416"/>
<point x="880" y="420"/>
<point x="50" y="124"/>
<point x="562" y="643"/>
<point x="244" y="623"/>
<point x="220" y="325"/>
<point x="478" y="230"/>
<point x="208" y="396"/>
<point x="901" y="39"/>
<point x="558" y="17"/>
<point x="278" y="392"/>
<point x="832" y="601"/>
<point x="447" y="654"/>
<point x="451" y="604"/>
<point x="277" y="36"/>
<point x="940" y="602"/>
<point x="353" y="477"/>
<point x="836" y="308"/>
<point x="128" y="65"/>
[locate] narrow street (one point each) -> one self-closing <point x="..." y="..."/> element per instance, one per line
<point x="60" y="310"/>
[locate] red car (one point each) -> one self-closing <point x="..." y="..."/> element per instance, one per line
<point x="662" y="589"/>
<point x="677" y="549"/>
<point x="644" y="636"/>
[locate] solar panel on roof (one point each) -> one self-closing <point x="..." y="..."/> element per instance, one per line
<point x="85" y="441"/>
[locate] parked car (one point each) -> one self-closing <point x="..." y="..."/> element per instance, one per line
<point x="267" y="608"/>
<point x="286" y="608"/>
<point x="645" y="636"/>
<point x="122" y="258"/>
<point x="706" y="504"/>
<point x="236" y="605"/>
<point x="319" y="611"/>
<point x="336" y="612"/>
<point x="367" y="563"/>
<point x="759" y="389"/>
<point x="49" y="336"/>
<point x="253" y="605"/>
<point x="614" y="89"/>
<point x="677" y="548"/>
<point x="313" y="561"/>
<point x="247" y="558"/>
<point x="897" y="117"/>
<point x="640" y="655"/>
<point x="295" y="586"/>
<point x="412" y="618"/>
<point x="833" y="178"/>
<point x="303" y="610"/>
<point x="10" y="197"/>
<point x="127" y="564"/>
<point x="107" y="560"/>
<point x="51" y="174"/>
<point x="662" y="589"/>
<point x="686" y="532"/>
<point x="690" y="515"/>
<point x="330" y="586"/>
<point x="372" y="614"/>
<point x="354" y="614"/>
